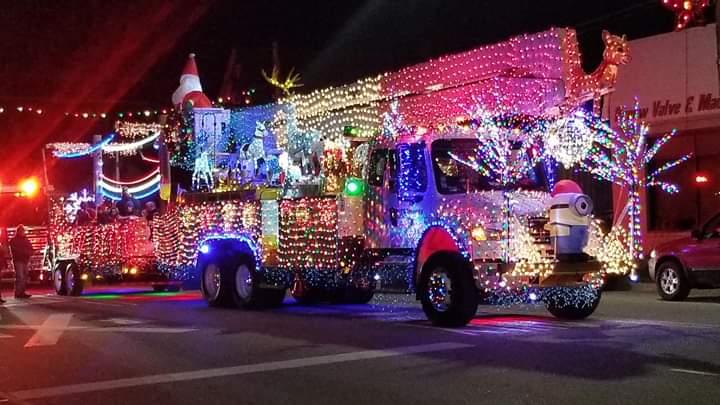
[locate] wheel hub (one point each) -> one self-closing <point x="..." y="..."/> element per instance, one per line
<point x="58" y="280"/>
<point x="244" y="282"/>
<point x="211" y="280"/>
<point x="669" y="281"/>
<point x="439" y="290"/>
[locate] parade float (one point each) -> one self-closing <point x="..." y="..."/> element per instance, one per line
<point x="438" y="179"/>
<point x="434" y="179"/>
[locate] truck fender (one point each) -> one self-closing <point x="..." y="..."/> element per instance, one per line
<point x="436" y="238"/>
<point x="223" y="247"/>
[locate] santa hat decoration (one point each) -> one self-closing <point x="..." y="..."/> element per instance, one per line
<point x="190" y="89"/>
<point x="566" y="187"/>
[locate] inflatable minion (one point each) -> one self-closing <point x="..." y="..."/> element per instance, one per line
<point x="569" y="220"/>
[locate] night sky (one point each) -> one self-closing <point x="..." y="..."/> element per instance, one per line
<point x="100" y="55"/>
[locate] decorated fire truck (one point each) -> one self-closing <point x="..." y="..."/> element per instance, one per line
<point x="434" y="179"/>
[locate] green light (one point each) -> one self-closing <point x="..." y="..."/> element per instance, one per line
<point x="353" y="187"/>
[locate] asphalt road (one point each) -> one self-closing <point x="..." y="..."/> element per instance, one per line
<point x="121" y="347"/>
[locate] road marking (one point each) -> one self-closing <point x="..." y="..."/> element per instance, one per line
<point x="695" y="372"/>
<point x="3" y="336"/>
<point x="50" y="331"/>
<point x="124" y="321"/>
<point x="232" y="371"/>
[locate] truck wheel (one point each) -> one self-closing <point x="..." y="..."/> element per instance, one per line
<point x="572" y="303"/>
<point x="74" y="283"/>
<point x="216" y="285"/>
<point x="247" y="292"/>
<point x="671" y="282"/>
<point x="447" y="290"/>
<point x="59" y="279"/>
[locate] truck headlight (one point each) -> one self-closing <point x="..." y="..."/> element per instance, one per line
<point x="653" y="254"/>
<point x="478" y="233"/>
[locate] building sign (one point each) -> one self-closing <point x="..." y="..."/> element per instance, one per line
<point x="674" y="76"/>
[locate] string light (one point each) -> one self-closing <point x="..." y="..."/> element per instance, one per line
<point x="620" y="157"/>
<point x="686" y="11"/>
<point x="69" y="150"/>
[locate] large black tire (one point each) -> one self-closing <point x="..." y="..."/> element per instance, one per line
<point x="672" y="285"/>
<point x="447" y="290"/>
<point x="572" y="303"/>
<point x="247" y="292"/>
<point x="217" y="284"/>
<point x="59" y="278"/>
<point x="74" y="283"/>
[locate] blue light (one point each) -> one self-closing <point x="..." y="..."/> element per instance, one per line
<point x="87" y="151"/>
<point x="205" y="249"/>
<point x="634" y="277"/>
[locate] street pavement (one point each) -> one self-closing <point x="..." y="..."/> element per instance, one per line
<point x="123" y="345"/>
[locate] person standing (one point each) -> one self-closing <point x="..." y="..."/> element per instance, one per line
<point x="21" y="250"/>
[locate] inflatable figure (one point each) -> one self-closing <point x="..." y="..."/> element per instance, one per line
<point x="569" y="222"/>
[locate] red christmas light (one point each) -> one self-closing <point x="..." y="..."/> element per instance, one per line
<point x="686" y="10"/>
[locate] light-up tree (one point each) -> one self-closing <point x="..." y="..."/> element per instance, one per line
<point x="620" y="157"/>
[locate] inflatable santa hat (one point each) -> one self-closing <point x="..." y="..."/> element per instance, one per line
<point x="190" y="90"/>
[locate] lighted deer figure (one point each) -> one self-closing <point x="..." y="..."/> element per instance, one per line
<point x="602" y="80"/>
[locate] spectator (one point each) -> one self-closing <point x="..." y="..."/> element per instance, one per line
<point x="149" y="211"/>
<point x="83" y="216"/>
<point x="124" y="207"/>
<point x="21" y="250"/>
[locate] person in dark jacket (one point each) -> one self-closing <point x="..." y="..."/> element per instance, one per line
<point x="21" y="250"/>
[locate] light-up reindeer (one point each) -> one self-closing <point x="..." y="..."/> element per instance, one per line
<point x="602" y="80"/>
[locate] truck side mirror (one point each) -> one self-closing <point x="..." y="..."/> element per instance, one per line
<point x="696" y="234"/>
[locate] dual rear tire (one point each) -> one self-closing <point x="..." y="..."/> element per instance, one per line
<point x="237" y="284"/>
<point x="67" y="279"/>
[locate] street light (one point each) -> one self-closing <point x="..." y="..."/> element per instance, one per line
<point x="29" y="187"/>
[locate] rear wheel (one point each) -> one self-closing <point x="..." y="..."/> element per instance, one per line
<point x="74" y="283"/>
<point x="215" y="286"/>
<point x="247" y="292"/>
<point x="447" y="290"/>
<point x="671" y="282"/>
<point x="59" y="279"/>
<point x="572" y="303"/>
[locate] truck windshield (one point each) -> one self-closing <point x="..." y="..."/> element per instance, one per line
<point x="453" y="177"/>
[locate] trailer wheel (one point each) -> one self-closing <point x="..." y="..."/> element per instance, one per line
<point x="572" y="303"/>
<point x="59" y="279"/>
<point x="73" y="281"/>
<point x="447" y="290"/>
<point x="215" y="285"/>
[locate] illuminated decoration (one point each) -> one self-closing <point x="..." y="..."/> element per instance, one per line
<point x="308" y="234"/>
<point x="291" y="82"/>
<point x="701" y="179"/>
<point x="593" y="86"/>
<point x="131" y="147"/>
<point x="506" y="153"/>
<point x="69" y="150"/>
<point x="72" y="204"/>
<point x="393" y="121"/>
<point x="103" y="247"/>
<point x="149" y="177"/>
<point x="334" y="169"/>
<point x="134" y="130"/>
<point x="354" y="187"/>
<point x="568" y="139"/>
<point x="686" y="11"/>
<point x="202" y="172"/>
<point x="620" y="157"/>
<point x="411" y="170"/>
<point x="611" y="250"/>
